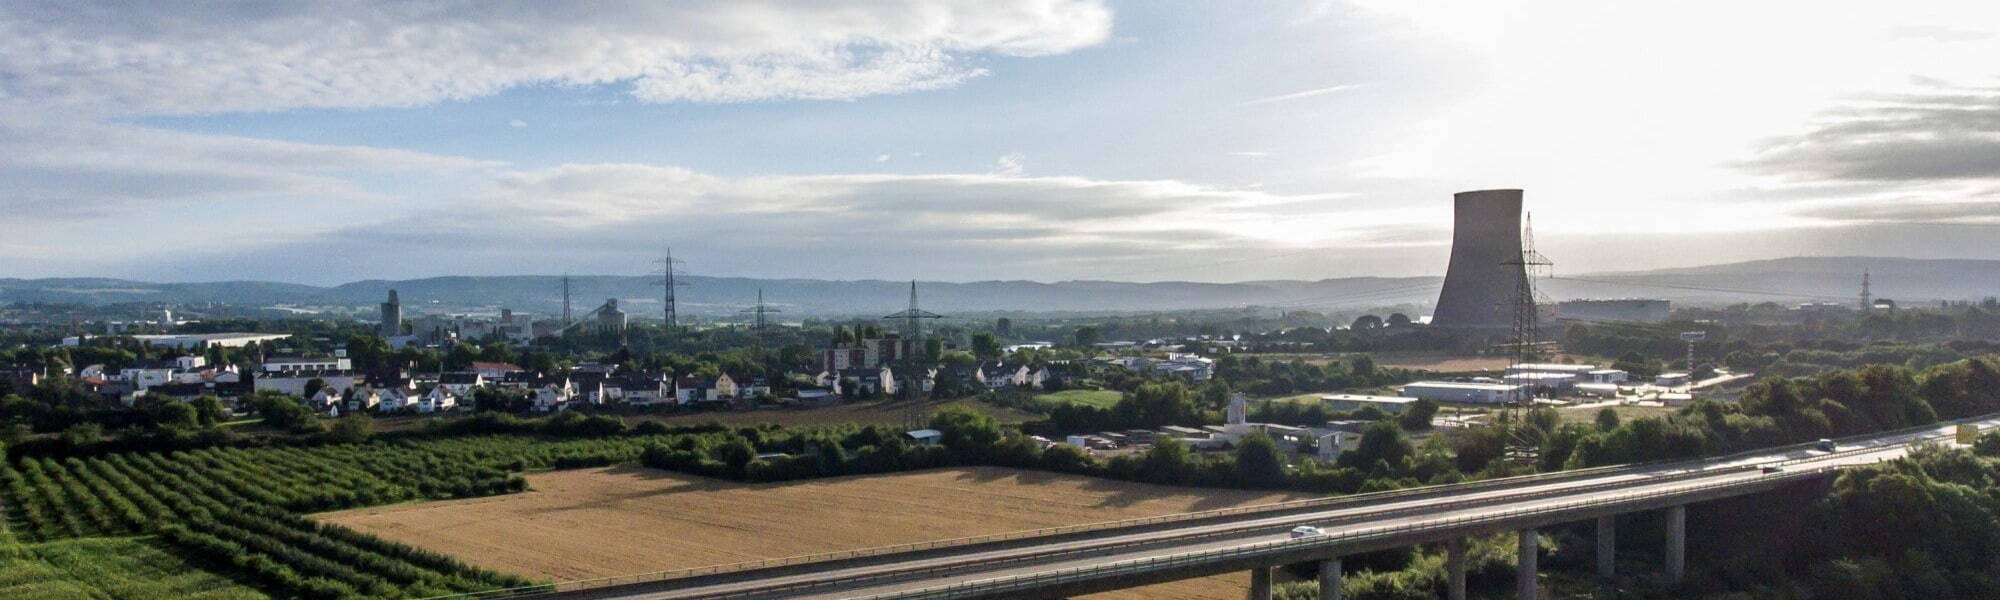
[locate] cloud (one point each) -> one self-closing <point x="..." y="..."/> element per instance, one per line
<point x="976" y="225"/>
<point x="1908" y="211"/>
<point x="1247" y="154"/>
<point x="122" y="58"/>
<point x="1948" y="134"/>
<point x="517" y="123"/>
<point x="70" y="170"/>
<point x="881" y="158"/>
<point x="1010" y="164"/>
<point x="1312" y="93"/>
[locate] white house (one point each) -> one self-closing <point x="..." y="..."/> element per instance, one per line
<point x="327" y="400"/>
<point x="363" y="399"/>
<point x="1000" y="375"/>
<point x="393" y="399"/>
<point x="462" y="382"/>
<point x="439" y="399"/>
<point x="553" y="396"/>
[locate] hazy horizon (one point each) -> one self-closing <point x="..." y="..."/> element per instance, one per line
<point x="1046" y="140"/>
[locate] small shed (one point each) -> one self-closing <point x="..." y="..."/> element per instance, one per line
<point x="925" y="437"/>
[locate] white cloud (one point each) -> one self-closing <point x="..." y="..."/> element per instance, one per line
<point x="122" y="58"/>
<point x="82" y="169"/>
<point x="881" y="158"/>
<point x="517" y="123"/>
<point x="859" y="225"/>
<point x="1010" y="164"/>
<point x="1248" y="154"/>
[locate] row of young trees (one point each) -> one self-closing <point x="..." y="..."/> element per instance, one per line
<point x="240" y="509"/>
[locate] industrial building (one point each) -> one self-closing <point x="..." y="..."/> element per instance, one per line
<point x="1463" y="391"/>
<point x="1632" y="310"/>
<point x="1487" y="274"/>
<point x="392" y="317"/>
<point x="201" y="341"/>
<point x="1389" y="404"/>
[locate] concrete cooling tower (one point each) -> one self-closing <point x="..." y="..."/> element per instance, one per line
<point x="1486" y="273"/>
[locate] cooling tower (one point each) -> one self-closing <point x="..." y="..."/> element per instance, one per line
<point x="1486" y="273"/>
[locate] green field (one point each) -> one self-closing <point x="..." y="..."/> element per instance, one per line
<point x="121" y="567"/>
<point x="1097" y="398"/>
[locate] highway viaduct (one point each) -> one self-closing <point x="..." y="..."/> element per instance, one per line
<point x="1071" y="561"/>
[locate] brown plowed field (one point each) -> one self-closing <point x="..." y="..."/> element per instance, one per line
<point x="623" y="520"/>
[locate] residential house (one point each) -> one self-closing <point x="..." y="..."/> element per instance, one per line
<point x="495" y="371"/>
<point x="393" y="399"/>
<point x="1000" y="375"/>
<point x="462" y="383"/>
<point x="363" y="399"/>
<point x="439" y="399"/>
<point x="553" y="395"/>
<point x="326" y="401"/>
<point x="864" y="382"/>
<point x="691" y="389"/>
<point x="641" y="389"/>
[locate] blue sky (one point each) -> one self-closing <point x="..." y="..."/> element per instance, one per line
<point x="1045" y="140"/>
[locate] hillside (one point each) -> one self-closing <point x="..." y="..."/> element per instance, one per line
<point x="1785" y="280"/>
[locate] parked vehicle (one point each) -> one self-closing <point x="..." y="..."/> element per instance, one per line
<point x="1825" y="445"/>
<point x="1306" y="531"/>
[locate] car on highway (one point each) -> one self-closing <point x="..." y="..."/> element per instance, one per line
<point x="1306" y="531"/>
<point x="1825" y="445"/>
<point x="1773" y="469"/>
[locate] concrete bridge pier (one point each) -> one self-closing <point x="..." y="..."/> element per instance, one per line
<point x="1676" y="543"/>
<point x="1329" y="579"/>
<point x="1607" y="546"/>
<point x="1454" y="569"/>
<point x="1260" y="583"/>
<point x="1525" y="584"/>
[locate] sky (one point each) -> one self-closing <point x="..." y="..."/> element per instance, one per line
<point x="1043" y="140"/>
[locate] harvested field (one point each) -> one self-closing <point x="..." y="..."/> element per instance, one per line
<point x="623" y="520"/>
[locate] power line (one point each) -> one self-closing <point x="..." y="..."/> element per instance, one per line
<point x="760" y="310"/>
<point x="667" y="284"/>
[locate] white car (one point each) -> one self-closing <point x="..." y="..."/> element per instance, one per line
<point x="1306" y="531"/>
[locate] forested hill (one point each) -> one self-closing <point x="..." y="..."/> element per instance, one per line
<point x="1788" y="280"/>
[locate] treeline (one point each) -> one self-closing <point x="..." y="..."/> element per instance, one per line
<point x="1922" y="527"/>
<point x="1385" y="459"/>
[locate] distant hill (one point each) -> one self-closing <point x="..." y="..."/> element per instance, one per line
<point x="1799" y="279"/>
<point x="1785" y="280"/>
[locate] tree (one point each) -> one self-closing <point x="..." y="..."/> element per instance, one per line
<point x="1257" y="461"/>
<point x="1607" y="419"/>
<point x="313" y="386"/>
<point x="175" y="414"/>
<point x="1167" y="462"/>
<point x="83" y="434"/>
<point x="283" y="412"/>
<point x="1399" y="320"/>
<point x="1003" y="326"/>
<point x="207" y="410"/>
<point x="1366" y="322"/>
<point x="1380" y="442"/>
<point x="985" y="346"/>
<point x="354" y="428"/>
<point x="1417" y="416"/>
<point x="1086" y="336"/>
